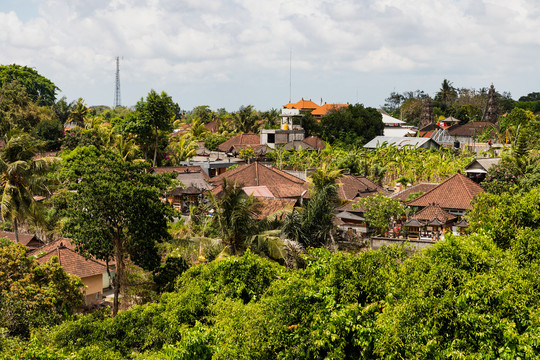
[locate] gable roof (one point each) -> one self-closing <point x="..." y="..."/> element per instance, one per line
<point x="315" y="142"/>
<point x="281" y="184"/>
<point x="481" y="164"/>
<point x="404" y="194"/>
<point x="272" y="206"/>
<point x="456" y="192"/>
<point x="324" y="109"/>
<point x="297" y="145"/>
<point x="473" y="128"/>
<point x="241" y="139"/>
<point x="28" y="240"/>
<point x="352" y="187"/>
<point x="72" y="262"/>
<point x="434" y="211"/>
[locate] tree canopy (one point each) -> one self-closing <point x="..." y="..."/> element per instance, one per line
<point x="42" y="90"/>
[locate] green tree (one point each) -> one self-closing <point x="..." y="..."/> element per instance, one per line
<point x="246" y="119"/>
<point x="34" y="295"/>
<point x="156" y="113"/>
<point x="235" y="215"/>
<point x="78" y="112"/>
<point x="17" y="110"/>
<point x="20" y="178"/>
<point x="42" y="90"/>
<point x="116" y="212"/>
<point x="354" y="124"/>
<point x="380" y="211"/>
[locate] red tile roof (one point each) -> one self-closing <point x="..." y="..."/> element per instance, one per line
<point x="28" y="240"/>
<point x="404" y="195"/>
<point x="351" y="187"/>
<point x="315" y="142"/>
<point x="72" y="262"/>
<point x="456" y="192"/>
<point x="323" y="110"/>
<point x="242" y="139"/>
<point x="434" y="211"/>
<point x="281" y="184"/>
<point x="272" y="206"/>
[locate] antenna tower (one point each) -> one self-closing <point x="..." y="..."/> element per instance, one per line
<point x="117" y="101"/>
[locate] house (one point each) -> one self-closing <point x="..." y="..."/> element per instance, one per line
<point x="280" y="184"/>
<point x="394" y="127"/>
<point x="414" y="142"/>
<point x="315" y="142"/>
<point x="323" y="110"/>
<point x="249" y="139"/>
<point x="91" y="271"/>
<point x="194" y="184"/>
<point x="353" y="187"/>
<point x="30" y="241"/>
<point x="350" y="220"/>
<point x="454" y="195"/>
<point x="429" y="223"/>
<point x="479" y="167"/>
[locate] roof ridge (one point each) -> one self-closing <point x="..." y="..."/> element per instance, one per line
<point x="431" y="190"/>
<point x="284" y="174"/>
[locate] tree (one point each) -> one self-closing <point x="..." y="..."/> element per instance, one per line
<point x="354" y="124"/>
<point x="17" y="110"/>
<point x="33" y="295"/>
<point x="156" y="113"/>
<point x="446" y="95"/>
<point x="380" y="211"/>
<point x="78" y="113"/>
<point x="313" y="226"/>
<point x="116" y="212"/>
<point x="246" y="119"/>
<point x="235" y="215"/>
<point x="42" y="90"/>
<point x="20" y="178"/>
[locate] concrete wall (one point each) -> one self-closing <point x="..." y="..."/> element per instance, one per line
<point x="94" y="285"/>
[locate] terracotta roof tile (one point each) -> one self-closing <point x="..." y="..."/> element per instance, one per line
<point x="471" y="128"/>
<point x="281" y="184"/>
<point x="315" y="142"/>
<point x="241" y="139"/>
<point x="73" y="263"/>
<point x="302" y="105"/>
<point x="28" y="240"/>
<point x="351" y="187"/>
<point x="404" y="195"/>
<point x="324" y="109"/>
<point x="456" y="192"/>
<point x="272" y="206"/>
<point x="434" y="211"/>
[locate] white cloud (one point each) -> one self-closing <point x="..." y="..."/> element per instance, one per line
<point x="201" y="49"/>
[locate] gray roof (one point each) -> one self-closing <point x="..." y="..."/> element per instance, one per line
<point x="349" y="216"/>
<point x="415" y="142"/>
<point x="482" y="164"/>
<point x="196" y="180"/>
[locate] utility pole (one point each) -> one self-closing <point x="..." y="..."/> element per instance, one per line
<point x="117" y="101"/>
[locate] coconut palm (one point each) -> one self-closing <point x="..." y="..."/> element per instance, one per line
<point x="78" y="113"/>
<point x="20" y="179"/>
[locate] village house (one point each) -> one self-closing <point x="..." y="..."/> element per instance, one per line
<point x="93" y="273"/>
<point x="477" y="169"/>
<point x="30" y="241"/>
<point x="414" y="142"/>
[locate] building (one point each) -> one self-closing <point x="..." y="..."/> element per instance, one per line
<point x="414" y="142"/>
<point x="479" y="167"/>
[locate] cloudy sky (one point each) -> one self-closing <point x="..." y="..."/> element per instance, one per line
<point x="228" y="53"/>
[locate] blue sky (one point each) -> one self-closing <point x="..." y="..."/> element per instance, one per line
<point x="228" y="53"/>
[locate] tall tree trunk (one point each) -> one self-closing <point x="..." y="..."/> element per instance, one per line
<point x="155" y="148"/>
<point x="119" y="276"/>
<point x="16" y="230"/>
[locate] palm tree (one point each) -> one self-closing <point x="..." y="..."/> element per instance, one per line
<point x="20" y="179"/>
<point x="79" y="112"/>
<point x="126" y="148"/>
<point x="182" y="149"/>
<point x="246" y="119"/>
<point x="235" y="215"/>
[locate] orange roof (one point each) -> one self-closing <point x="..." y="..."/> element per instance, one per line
<point x="323" y="110"/>
<point x="456" y="192"/>
<point x="302" y="105"/>
<point x="278" y="182"/>
<point x="434" y="211"/>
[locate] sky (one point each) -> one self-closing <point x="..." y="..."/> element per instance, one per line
<point x="229" y="53"/>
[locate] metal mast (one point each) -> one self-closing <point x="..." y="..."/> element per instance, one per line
<point x="117" y="101"/>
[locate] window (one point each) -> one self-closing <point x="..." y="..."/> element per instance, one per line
<point x="271" y="138"/>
